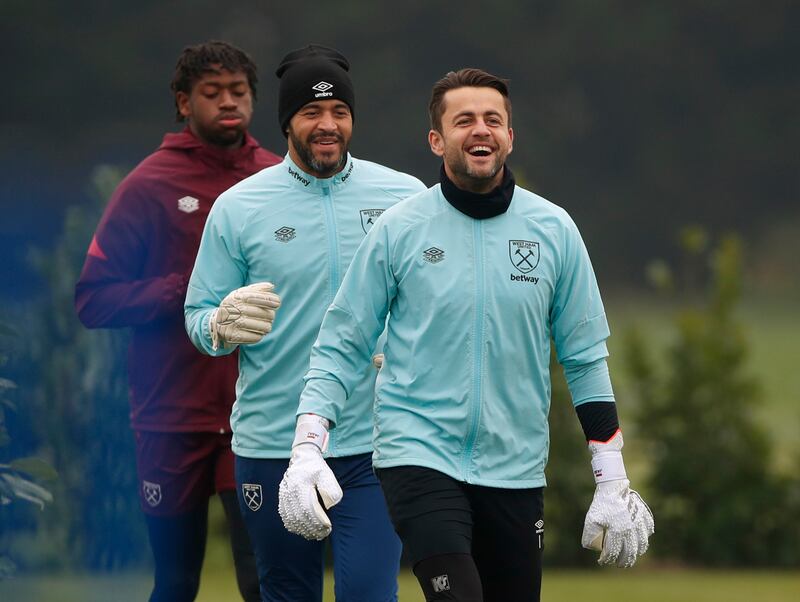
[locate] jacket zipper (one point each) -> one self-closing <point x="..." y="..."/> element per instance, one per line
<point x="333" y="271"/>
<point x="477" y="357"/>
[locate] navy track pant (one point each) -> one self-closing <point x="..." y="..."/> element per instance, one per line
<point x="366" y="550"/>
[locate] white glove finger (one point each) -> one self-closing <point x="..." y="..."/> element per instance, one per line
<point x="642" y="535"/>
<point x="260" y="287"/>
<point x="241" y="337"/>
<point x="284" y="508"/>
<point x="612" y="546"/>
<point x="318" y="515"/>
<point x="329" y="489"/>
<point x="273" y="300"/>
<point x="300" y="518"/>
<point x="269" y="300"/>
<point x="645" y="513"/>
<point x="254" y="325"/>
<point x="288" y="511"/>
<point x="592" y="537"/>
<point x="260" y="313"/>
<point x="627" y="553"/>
<point x="317" y="522"/>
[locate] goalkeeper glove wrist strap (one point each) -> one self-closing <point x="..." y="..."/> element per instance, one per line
<point x="607" y="464"/>
<point x="312" y="429"/>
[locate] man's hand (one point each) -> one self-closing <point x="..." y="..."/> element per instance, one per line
<point x="618" y="523"/>
<point x="377" y="360"/>
<point x="244" y="316"/>
<point x="308" y="474"/>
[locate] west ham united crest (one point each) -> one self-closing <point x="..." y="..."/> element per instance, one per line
<point x="368" y="217"/>
<point x="524" y="254"/>
<point x="152" y="493"/>
<point x="252" y="495"/>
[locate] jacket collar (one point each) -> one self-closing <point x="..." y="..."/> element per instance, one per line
<point x="186" y="140"/>
<point x="479" y="205"/>
<point x="304" y="180"/>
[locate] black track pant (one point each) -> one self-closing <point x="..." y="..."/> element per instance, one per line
<point x="179" y="543"/>
<point x="466" y="542"/>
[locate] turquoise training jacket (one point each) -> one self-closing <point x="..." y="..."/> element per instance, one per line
<point x="299" y="232"/>
<point x="472" y="305"/>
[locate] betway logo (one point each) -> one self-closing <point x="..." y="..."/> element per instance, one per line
<point x="298" y="177"/>
<point x="524" y="278"/>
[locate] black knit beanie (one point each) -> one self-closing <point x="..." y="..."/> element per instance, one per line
<point x="312" y="73"/>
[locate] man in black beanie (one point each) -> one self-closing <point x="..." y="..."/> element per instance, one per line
<point x="311" y="76"/>
<point x="294" y="228"/>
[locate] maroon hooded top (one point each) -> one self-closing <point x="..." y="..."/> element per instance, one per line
<point x="136" y="271"/>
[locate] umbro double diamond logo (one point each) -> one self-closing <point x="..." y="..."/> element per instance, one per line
<point x="433" y="255"/>
<point x="188" y="204"/>
<point x="285" y="234"/>
<point x="539" y="524"/>
<point x="322" y="89"/>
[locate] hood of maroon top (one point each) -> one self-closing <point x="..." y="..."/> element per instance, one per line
<point x="186" y="141"/>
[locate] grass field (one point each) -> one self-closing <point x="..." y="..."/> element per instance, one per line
<point x="559" y="586"/>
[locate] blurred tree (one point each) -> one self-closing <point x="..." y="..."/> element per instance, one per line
<point x="18" y="476"/>
<point x="80" y="411"/>
<point x="713" y="495"/>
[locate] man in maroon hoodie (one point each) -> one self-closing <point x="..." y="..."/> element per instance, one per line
<point x="135" y="276"/>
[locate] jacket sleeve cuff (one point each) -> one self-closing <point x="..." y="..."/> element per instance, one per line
<point x="323" y="396"/>
<point x="589" y="382"/>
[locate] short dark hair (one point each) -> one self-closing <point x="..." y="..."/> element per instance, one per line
<point x="195" y="61"/>
<point x="463" y="78"/>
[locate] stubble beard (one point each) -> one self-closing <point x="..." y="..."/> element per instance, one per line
<point x="470" y="179"/>
<point x="322" y="169"/>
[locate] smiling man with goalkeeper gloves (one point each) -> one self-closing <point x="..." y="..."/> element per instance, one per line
<point x="297" y="225"/>
<point x="476" y="275"/>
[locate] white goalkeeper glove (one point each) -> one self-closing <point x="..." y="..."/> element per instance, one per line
<point x="244" y="316"/>
<point x="308" y="473"/>
<point x="618" y="523"/>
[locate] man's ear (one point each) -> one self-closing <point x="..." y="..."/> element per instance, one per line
<point x="510" y="140"/>
<point x="437" y="143"/>
<point x="182" y="100"/>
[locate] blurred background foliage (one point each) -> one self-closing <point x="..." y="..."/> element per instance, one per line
<point x="75" y="393"/>
<point x="712" y="480"/>
<point x="639" y="118"/>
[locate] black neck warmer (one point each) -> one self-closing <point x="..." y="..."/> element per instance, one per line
<point x="479" y="205"/>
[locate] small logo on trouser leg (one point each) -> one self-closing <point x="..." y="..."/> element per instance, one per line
<point x="540" y="532"/>
<point x="440" y="583"/>
<point x="152" y="493"/>
<point x="252" y="495"/>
